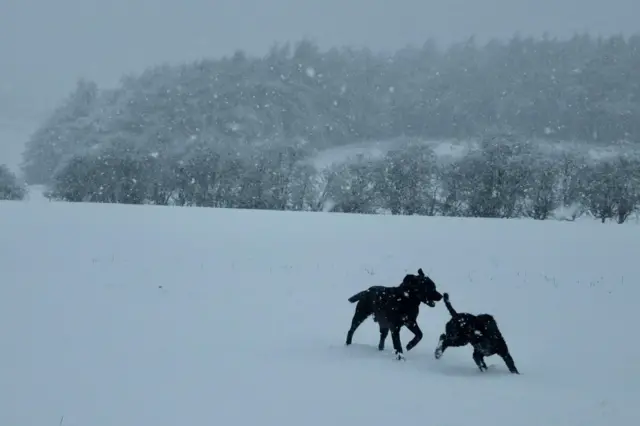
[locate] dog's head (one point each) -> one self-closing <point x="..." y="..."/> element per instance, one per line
<point x="423" y="287"/>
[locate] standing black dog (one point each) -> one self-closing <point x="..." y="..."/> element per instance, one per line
<point x="481" y="331"/>
<point x="394" y="307"/>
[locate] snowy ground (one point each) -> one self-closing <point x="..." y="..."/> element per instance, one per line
<point x="156" y="316"/>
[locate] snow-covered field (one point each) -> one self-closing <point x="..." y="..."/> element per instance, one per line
<point x="158" y="316"/>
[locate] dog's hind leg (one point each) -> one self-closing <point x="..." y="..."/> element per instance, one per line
<point x="479" y="360"/>
<point x="508" y="360"/>
<point x="362" y="313"/>
<point x="417" y="334"/>
<point x="384" y="332"/>
<point x="501" y="347"/>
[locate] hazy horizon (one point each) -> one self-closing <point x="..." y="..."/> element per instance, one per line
<point x="49" y="45"/>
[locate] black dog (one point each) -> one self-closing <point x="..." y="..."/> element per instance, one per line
<point x="481" y="331"/>
<point x="394" y="307"/>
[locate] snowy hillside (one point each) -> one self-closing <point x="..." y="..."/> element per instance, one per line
<point x="159" y="316"/>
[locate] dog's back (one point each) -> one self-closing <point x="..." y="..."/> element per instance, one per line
<point x="386" y="303"/>
<point x="487" y="337"/>
<point x="460" y="328"/>
<point x="396" y="305"/>
<point x="369" y="295"/>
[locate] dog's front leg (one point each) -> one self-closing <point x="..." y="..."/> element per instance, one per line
<point x="479" y="359"/>
<point x="384" y="332"/>
<point x="417" y="333"/>
<point x="441" y="347"/>
<point x="397" y="344"/>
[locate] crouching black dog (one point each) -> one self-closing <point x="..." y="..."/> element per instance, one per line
<point x="394" y="307"/>
<point x="481" y="331"/>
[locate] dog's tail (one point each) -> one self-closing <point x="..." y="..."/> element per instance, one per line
<point x="358" y="296"/>
<point x="452" y="311"/>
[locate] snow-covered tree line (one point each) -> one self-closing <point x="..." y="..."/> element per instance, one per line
<point x="235" y="131"/>
<point x="10" y="187"/>
<point x="501" y="177"/>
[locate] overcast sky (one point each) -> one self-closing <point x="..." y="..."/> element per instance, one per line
<point x="45" y="45"/>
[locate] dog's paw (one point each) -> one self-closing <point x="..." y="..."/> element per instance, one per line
<point x="439" y="349"/>
<point x="399" y="356"/>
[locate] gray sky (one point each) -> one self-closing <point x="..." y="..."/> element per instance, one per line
<point x="45" y="45"/>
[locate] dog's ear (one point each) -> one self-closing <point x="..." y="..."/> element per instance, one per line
<point x="420" y="273"/>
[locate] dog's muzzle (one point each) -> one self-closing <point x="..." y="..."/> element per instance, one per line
<point x="431" y="303"/>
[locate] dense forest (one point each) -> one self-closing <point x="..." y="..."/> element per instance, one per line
<point x="242" y="131"/>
